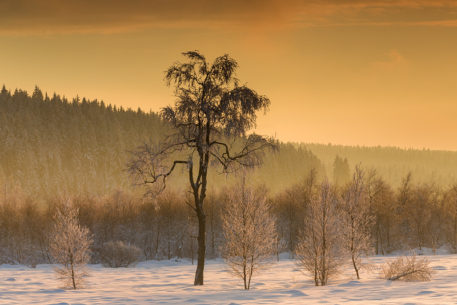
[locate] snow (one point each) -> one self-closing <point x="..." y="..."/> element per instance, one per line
<point x="170" y="282"/>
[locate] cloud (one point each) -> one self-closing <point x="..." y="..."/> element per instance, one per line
<point x="392" y="60"/>
<point x="107" y="16"/>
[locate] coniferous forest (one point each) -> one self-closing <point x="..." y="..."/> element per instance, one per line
<point x="55" y="149"/>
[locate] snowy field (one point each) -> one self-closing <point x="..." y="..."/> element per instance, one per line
<point x="170" y="282"/>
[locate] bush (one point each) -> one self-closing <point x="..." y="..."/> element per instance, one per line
<point x="407" y="268"/>
<point x="116" y="254"/>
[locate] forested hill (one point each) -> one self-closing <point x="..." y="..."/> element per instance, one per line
<point x="51" y="146"/>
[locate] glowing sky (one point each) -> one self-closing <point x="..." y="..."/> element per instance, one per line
<point x="353" y="72"/>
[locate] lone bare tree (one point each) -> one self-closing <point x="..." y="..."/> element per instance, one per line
<point x="69" y="246"/>
<point x="209" y="124"/>
<point x="249" y="230"/>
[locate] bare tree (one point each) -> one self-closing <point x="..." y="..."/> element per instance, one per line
<point x="69" y="246"/>
<point x="319" y="251"/>
<point x="451" y="212"/>
<point x="382" y="207"/>
<point x="249" y="230"/>
<point x="418" y="213"/>
<point x="211" y="107"/>
<point x="357" y="219"/>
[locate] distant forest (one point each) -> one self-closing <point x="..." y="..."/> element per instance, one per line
<point x="392" y="163"/>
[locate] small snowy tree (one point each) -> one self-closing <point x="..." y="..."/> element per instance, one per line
<point x="249" y="230"/>
<point x="319" y="251"/>
<point x="357" y="220"/>
<point x="69" y="246"/>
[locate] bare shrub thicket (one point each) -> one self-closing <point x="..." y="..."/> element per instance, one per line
<point x="450" y="223"/>
<point x="69" y="246"/>
<point x="158" y="227"/>
<point x="116" y="254"/>
<point x="418" y="214"/>
<point x="166" y="227"/>
<point x="383" y="208"/>
<point x="23" y="231"/>
<point x="407" y="268"/>
<point x="287" y="206"/>
<point x="356" y="220"/>
<point x="249" y="230"/>
<point x="319" y="251"/>
<point x="290" y="208"/>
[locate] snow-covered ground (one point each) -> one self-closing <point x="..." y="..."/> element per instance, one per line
<point x="170" y="282"/>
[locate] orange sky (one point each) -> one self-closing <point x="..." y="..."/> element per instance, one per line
<point x="355" y="72"/>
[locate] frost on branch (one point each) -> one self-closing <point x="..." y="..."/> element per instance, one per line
<point x="69" y="246"/>
<point x="319" y="251"/>
<point x="408" y="268"/>
<point x="249" y="231"/>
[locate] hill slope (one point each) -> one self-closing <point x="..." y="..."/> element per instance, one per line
<point x="54" y="146"/>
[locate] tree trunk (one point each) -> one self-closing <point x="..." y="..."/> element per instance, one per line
<point x="455" y="233"/>
<point x="192" y="248"/>
<point x="72" y="271"/>
<point x="388" y="237"/>
<point x="355" y="267"/>
<point x="244" y="274"/>
<point x="378" y="234"/>
<point x="201" y="248"/>
<point x="251" y="271"/>
<point x="213" y="242"/>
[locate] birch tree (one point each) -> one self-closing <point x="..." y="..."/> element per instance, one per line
<point x="250" y="232"/>
<point x="209" y="124"/>
<point x="319" y="250"/>
<point x="357" y="220"/>
<point x="69" y="246"/>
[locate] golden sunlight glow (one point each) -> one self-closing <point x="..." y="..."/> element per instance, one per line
<point x="348" y="72"/>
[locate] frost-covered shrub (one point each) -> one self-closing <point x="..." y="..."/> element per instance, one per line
<point x="116" y="254"/>
<point x="407" y="268"/>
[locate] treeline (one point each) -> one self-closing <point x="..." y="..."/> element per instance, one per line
<point x="392" y="163"/>
<point x="413" y="215"/>
<point x="52" y="146"/>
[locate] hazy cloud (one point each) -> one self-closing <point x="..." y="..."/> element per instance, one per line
<point x="104" y="16"/>
<point x="392" y="60"/>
